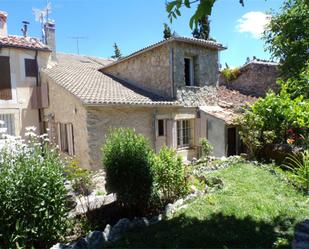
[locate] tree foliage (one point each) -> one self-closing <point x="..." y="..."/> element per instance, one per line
<point x="203" y="9"/>
<point x="203" y="29"/>
<point x="167" y="33"/>
<point x="117" y="52"/>
<point x="287" y="37"/>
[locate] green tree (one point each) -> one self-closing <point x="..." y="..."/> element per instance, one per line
<point x="287" y="37"/>
<point x="203" y="9"/>
<point x="167" y="33"/>
<point x="117" y="53"/>
<point x="203" y="29"/>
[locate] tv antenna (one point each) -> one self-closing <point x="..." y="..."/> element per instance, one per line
<point x="42" y="16"/>
<point x="78" y="38"/>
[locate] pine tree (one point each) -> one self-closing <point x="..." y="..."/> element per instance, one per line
<point x="117" y="53"/>
<point x="167" y="33"/>
<point x="203" y="29"/>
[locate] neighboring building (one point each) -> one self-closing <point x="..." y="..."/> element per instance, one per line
<point x="157" y="91"/>
<point x="256" y="78"/>
<point x="21" y="96"/>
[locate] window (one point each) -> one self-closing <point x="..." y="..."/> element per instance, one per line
<point x="31" y="68"/>
<point x="161" y="130"/>
<point x="184" y="133"/>
<point x="66" y="138"/>
<point x="188" y="71"/>
<point x="5" y="78"/>
<point x="9" y="123"/>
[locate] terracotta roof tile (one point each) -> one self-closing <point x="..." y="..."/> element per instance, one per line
<point x="23" y="42"/>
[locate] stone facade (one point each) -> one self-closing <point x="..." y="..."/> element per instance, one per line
<point x="255" y="79"/>
<point x="23" y="88"/>
<point x="149" y="70"/>
<point x="206" y="65"/>
<point x="67" y="109"/>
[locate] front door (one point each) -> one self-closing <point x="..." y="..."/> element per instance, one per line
<point x="231" y="141"/>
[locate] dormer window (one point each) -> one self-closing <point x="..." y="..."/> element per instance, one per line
<point x="189" y="72"/>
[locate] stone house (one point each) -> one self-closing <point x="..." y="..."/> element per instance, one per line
<point x="256" y="78"/>
<point x="159" y="91"/>
<point x="21" y="95"/>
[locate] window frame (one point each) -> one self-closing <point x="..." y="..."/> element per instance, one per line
<point x="159" y="134"/>
<point x="29" y="67"/>
<point x="191" y="70"/>
<point x="184" y="132"/>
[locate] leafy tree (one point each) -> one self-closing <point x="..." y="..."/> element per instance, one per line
<point x="117" y="52"/>
<point x="287" y="37"/>
<point x="167" y="33"/>
<point x="203" y="9"/>
<point x="203" y="29"/>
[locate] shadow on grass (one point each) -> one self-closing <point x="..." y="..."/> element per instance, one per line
<point x="217" y="231"/>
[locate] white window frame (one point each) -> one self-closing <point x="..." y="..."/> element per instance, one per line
<point x="191" y="68"/>
<point x="180" y="133"/>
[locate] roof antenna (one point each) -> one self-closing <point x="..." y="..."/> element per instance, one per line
<point x="42" y="16"/>
<point x="77" y="38"/>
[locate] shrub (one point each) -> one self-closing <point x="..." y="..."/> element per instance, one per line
<point x="79" y="177"/>
<point x="206" y="147"/>
<point x="32" y="194"/>
<point x="127" y="158"/>
<point x="299" y="166"/>
<point x="169" y="173"/>
<point x="230" y="73"/>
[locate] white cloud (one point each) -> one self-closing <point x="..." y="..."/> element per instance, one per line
<point x="253" y="22"/>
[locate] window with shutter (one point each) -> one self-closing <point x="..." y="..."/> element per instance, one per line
<point x="31" y="68"/>
<point x="5" y="78"/>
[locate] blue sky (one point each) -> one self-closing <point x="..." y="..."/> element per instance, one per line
<point x="134" y="24"/>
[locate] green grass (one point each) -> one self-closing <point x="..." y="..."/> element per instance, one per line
<point x="255" y="209"/>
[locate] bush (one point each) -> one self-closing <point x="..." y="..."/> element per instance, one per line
<point x="79" y="177"/>
<point x="230" y="73"/>
<point x="127" y="158"/>
<point x="169" y="175"/>
<point x="32" y="194"/>
<point x="206" y="147"/>
<point x="299" y="166"/>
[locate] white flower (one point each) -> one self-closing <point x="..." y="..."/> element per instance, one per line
<point x="31" y="128"/>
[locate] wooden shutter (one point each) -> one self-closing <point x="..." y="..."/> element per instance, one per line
<point x="5" y="78"/>
<point x="70" y="139"/>
<point x="31" y="68"/>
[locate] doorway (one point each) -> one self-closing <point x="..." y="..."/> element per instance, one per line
<point x="231" y="141"/>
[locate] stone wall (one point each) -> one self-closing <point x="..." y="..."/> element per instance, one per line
<point x="255" y="79"/>
<point x="206" y="64"/>
<point x="66" y="108"/>
<point x="101" y="119"/>
<point x="149" y="70"/>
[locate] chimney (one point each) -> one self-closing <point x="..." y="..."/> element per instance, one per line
<point x="3" y="24"/>
<point x="25" y="28"/>
<point x="50" y="37"/>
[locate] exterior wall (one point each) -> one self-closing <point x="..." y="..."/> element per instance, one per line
<point x="216" y="135"/>
<point x="149" y="70"/>
<point x="206" y="64"/>
<point x="255" y="79"/>
<point x="101" y="119"/>
<point x="23" y="88"/>
<point x="65" y="108"/>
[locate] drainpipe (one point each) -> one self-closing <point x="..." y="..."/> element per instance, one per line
<point x="154" y="115"/>
<point x="37" y="85"/>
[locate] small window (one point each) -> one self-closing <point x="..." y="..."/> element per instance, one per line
<point x="8" y="123"/>
<point x="188" y="71"/>
<point x="161" y="131"/>
<point x="5" y="79"/>
<point x="31" y="68"/>
<point x="66" y="138"/>
<point x="184" y="133"/>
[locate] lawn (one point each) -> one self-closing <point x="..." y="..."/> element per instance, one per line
<point x="255" y="209"/>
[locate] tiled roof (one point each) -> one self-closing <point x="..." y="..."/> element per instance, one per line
<point x="23" y="42"/>
<point x="80" y="76"/>
<point x="206" y="43"/>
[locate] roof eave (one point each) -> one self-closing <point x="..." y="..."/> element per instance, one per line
<point x="22" y="47"/>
